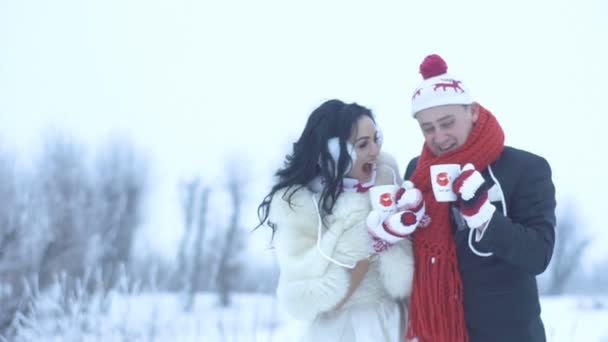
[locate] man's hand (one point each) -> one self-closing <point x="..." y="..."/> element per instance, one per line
<point x="472" y="191"/>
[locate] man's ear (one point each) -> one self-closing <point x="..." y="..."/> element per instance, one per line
<point x="475" y="111"/>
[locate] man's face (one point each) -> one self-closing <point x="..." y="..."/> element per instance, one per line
<point x="447" y="127"/>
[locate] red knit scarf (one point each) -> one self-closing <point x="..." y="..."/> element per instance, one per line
<point x="436" y="312"/>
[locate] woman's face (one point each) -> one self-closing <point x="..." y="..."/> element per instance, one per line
<point x="366" y="143"/>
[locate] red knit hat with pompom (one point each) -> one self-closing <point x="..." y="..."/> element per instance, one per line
<point x="438" y="87"/>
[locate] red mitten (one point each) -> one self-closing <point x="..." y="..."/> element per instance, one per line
<point x="402" y="223"/>
<point x="472" y="191"/>
<point x="388" y="228"/>
<point x="392" y="227"/>
<point x="409" y="197"/>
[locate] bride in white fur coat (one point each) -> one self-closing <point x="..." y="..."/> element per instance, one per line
<point x="345" y="268"/>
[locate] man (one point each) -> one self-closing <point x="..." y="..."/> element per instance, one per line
<point x="477" y="260"/>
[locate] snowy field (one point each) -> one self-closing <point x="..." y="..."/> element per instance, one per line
<point x="159" y="317"/>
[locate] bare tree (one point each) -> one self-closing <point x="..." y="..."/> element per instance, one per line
<point x="570" y="245"/>
<point x="189" y="193"/>
<point x="195" y="199"/>
<point x="65" y="189"/>
<point x="9" y="235"/>
<point x="120" y="180"/>
<point x="22" y="237"/>
<point x="60" y="218"/>
<point x="198" y="264"/>
<point x="229" y="261"/>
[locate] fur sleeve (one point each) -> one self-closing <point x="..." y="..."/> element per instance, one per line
<point x="309" y="284"/>
<point x="306" y="298"/>
<point x="397" y="269"/>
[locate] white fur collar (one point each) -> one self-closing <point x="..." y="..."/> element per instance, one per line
<point x="348" y="184"/>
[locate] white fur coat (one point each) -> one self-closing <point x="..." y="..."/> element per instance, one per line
<point x="309" y="284"/>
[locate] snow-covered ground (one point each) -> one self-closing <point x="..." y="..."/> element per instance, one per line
<point x="159" y="317"/>
<point x="575" y="318"/>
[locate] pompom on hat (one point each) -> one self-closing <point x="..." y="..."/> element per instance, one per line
<point x="438" y="88"/>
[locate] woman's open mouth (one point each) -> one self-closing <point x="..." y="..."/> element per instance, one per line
<point x="369" y="167"/>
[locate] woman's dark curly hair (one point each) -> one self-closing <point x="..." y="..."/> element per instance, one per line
<point x="311" y="157"/>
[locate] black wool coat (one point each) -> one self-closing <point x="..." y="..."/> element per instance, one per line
<point x="501" y="301"/>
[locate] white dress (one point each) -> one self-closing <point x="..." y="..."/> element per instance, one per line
<point x="310" y="285"/>
<point x="375" y="318"/>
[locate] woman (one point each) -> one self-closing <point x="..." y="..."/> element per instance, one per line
<point x="348" y="280"/>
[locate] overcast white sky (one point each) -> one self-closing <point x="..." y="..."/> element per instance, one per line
<point x="194" y="81"/>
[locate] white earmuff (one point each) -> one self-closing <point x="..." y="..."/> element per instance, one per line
<point x="333" y="146"/>
<point x="379" y="137"/>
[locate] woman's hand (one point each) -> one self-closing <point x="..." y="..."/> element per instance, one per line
<point x="356" y="277"/>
